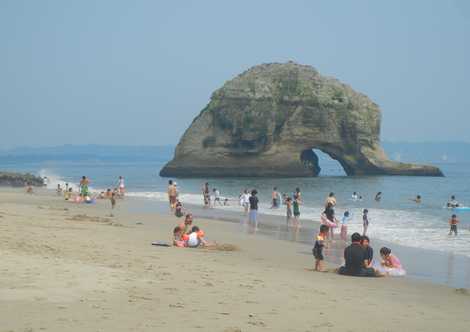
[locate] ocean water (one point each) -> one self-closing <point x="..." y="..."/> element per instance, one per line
<point x="395" y="219"/>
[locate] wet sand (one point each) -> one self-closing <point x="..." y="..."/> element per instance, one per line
<point x="68" y="267"/>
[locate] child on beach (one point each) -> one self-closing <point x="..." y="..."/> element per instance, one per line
<point x="68" y="194"/>
<point x="177" y="237"/>
<point x="365" y="221"/>
<point x="216" y="196"/>
<point x="368" y="251"/>
<point x="328" y="219"/>
<point x="196" y="238"/>
<point x="390" y="264"/>
<point x="453" y="224"/>
<point x="188" y="224"/>
<point x="29" y="188"/>
<point x="318" y="248"/>
<point x="245" y="201"/>
<point x="288" y="210"/>
<point x="344" y="226"/>
<point x="113" y="201"/>
<point x="178" y="209"/>
<point x="59" y="190"/>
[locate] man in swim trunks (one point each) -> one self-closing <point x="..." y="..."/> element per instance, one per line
<point x="356" y="260"/>
<point x="275" y="199"/>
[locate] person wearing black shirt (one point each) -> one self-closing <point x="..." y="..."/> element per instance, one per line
<point x="369" y="252"/>
<point x="252" y="217"/>
<point x="356" y="260"/>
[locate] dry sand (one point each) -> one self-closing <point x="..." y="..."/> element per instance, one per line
<point x="68" y="267"/>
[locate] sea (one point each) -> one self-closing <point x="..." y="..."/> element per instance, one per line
<point x="396" y="219"/>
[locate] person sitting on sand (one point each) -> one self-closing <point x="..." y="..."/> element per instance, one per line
<point x="177" y="237"/>
<point x="453" y="224"/>
<point x="390" y="264"/>
<point x="318" y="248"/>
<point x="188" y="224"/>
<point x="453" y="203"/>
<point x="356" y="260"/>
<point x="369" y="252"/>
<point x="195" y="238"/>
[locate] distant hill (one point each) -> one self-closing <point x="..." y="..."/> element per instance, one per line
<point x="432" y="152"/>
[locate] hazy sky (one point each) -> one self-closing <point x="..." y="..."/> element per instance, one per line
<point x="137" y="72"/>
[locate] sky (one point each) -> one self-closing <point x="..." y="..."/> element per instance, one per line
<point x="137" y="72"/>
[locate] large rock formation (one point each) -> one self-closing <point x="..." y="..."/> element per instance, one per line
<point x="266" y="121"/>
<point x="18" y="179"/>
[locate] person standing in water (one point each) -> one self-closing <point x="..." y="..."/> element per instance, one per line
<point x="344" y="226"/>
<point x="296" y="209"/>
<point x="288" y="210"/>
<point x="172" y="195"/>
<point x="253" y="215"/>
<point x="206" y="195"/>
<point x="275" y="199"/>
<point x="453" y="225"/>
<point x="365" y="221"/>
<point x="121" y="186"/>
<point x="453" y="203"/>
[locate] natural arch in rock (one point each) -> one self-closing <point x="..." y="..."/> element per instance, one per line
<point x="266" y="121"/>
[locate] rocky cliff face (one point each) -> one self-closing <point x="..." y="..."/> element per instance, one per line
<point x="266" y="121"/>
<point x="18" y="180"/>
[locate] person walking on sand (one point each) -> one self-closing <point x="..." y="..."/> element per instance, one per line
<point x="253" y="215"/>
<point x="453" y="225"/>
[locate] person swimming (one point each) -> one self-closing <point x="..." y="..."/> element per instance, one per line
<point x="453" y="203"/>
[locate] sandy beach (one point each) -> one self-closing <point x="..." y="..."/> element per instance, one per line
<point x="69" y="267"/>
